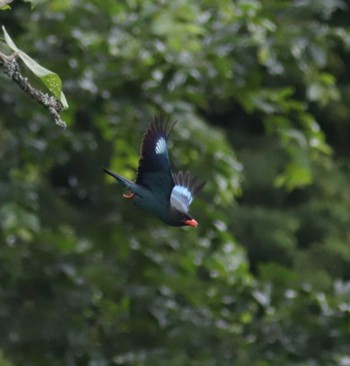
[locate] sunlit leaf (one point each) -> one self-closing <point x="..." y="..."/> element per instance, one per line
<point x="49" y="78"/>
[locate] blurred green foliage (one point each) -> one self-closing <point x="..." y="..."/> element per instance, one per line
<point x="261" y="93"/>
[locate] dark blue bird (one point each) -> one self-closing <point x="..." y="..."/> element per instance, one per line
<point x="157" y="190"/>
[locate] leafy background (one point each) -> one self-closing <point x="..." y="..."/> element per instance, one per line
<point x="261" y="93"/>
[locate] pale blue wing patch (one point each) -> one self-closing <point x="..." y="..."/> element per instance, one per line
<point x="181" y="198"/>
<point x="161" y="146"/>
<point x="184" y="190"/>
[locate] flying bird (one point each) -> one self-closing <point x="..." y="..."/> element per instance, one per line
<point x="157" y="189"/>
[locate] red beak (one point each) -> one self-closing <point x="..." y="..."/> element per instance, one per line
<point x="191" y="222"/>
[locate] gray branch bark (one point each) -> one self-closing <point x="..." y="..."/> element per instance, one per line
<point x="53" y="105"/>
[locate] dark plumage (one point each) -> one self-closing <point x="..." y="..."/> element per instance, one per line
<point x="157" y="190"/>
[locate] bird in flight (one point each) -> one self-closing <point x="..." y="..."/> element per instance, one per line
<point x="157" y="189"/>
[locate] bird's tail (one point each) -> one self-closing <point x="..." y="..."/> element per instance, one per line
<point x="125" y="182"/>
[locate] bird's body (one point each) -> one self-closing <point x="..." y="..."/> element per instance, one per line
<point x="157" y="190"/>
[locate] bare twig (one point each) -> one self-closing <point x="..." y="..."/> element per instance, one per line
<point x="11" y="68"/>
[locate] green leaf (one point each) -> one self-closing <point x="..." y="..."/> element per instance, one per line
<point x="4" y="4"/>
<point x="34" y="3"/>
<point x="295" y="175"/>
<point x="3" y="360"/>
<point x="51" y="80"/>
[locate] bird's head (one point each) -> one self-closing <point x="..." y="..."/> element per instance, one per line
<point x="187" y="220"/>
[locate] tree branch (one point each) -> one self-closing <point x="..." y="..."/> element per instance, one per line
<point x="53" y="105"/>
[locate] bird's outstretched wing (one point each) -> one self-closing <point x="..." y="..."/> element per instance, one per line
<point x="184" y="190"/>
<point x="154" y="167"/>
